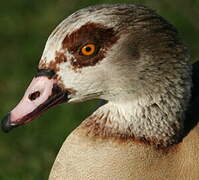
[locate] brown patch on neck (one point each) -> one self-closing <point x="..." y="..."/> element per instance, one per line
<point x="96" y="127"/>
<point x="103" y="37"/>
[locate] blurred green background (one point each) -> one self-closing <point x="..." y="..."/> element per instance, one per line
<point x="28" y="152"/>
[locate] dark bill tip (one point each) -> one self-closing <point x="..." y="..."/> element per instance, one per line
<point x="6" y="124"/>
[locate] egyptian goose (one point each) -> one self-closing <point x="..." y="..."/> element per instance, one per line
<point x="132" y="58"/>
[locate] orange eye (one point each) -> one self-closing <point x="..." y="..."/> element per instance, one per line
<point x="88" y="49"/>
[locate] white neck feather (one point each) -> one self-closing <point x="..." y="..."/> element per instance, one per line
<point x="156" y="120"/>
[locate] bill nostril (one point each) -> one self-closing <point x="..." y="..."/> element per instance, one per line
<point x="34" y="95"/>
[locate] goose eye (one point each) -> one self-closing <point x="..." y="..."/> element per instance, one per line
<point x="88" y="49"/>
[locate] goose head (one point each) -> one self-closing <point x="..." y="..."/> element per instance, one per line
<point x="124" y="54"/>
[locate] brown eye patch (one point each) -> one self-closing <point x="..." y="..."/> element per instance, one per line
<point x="90" y="34"/>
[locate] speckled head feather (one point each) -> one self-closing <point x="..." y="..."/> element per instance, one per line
<point x="139" y="66"/>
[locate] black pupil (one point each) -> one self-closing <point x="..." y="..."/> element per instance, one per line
<point x="88" y="49"/>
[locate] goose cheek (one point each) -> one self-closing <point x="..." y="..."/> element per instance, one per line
<point x="41" y="94"/>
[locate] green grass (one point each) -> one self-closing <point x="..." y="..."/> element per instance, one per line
<point x="28" y="152"/>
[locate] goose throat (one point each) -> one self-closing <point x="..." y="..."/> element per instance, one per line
<point x="158" y="121"/>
